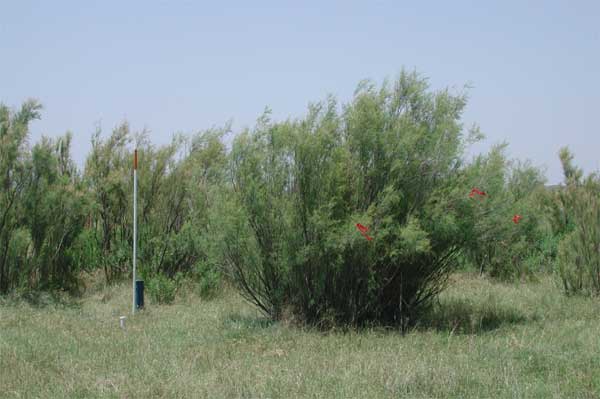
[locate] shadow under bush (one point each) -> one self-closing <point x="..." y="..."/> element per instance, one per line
<point x="43" y="299"/>
<point x="465" y="317"/>
<point x="247" y="322"/>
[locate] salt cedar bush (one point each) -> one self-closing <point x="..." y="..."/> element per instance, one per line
<point x="107" y="177"/>
<point x="391" y="160"/>
<point x="56" y="223"/>
<point x="278" y="209"/>
<point x="575" y="217"/>
<point x="175" y="182"/>
<point x="496" y="245"/>
<point x="162" y="289"/>
<point x="42" y="207"/>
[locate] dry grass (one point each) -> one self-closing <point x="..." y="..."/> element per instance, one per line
<point x="483" y="340"/>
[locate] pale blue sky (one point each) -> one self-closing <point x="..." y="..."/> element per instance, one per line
<point x="186" y="66"/>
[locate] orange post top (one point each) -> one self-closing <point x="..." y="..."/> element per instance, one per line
<point x="135" y="160"/>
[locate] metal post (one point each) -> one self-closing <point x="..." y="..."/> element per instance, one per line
<point x="135" y="161"/>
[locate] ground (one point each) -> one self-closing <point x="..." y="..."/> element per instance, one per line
<point x="484" y="340"/>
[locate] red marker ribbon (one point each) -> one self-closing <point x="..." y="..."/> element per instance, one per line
<point x="476" y="191"/>
<point x="363" y="230"/>
<point x="517" y="218"/>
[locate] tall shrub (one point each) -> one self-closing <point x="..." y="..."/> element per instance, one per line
<point x="43" y="207"/>
<point x="496" y="244"/>
<point x="108" y="177"/>
<point x="55" y="207"/>
<point x="175" y="186"/>
<point x="391" y="161"/>
<point x="14" y="179"/>
<point x="576" y="218"/>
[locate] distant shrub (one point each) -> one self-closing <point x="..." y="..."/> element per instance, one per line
<point x="161" y="289"/>
<point x="174" y="181"/>
<point x="16" y="258"/>
<point x="42" y="207"/>
<point x="577" y="206"/>
<point x="85" y="251"/>
<point x="208" y="279"/>
<point x="494" y="243"/>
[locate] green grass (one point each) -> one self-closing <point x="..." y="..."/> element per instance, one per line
<point x="483" y="340"/>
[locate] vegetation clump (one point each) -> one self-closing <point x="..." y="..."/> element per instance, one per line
<point x="351" y="215"/>
<point x="391" y="160"/>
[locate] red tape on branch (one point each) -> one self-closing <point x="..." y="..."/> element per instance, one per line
<point x="363" y="230"/>
<point x="517" y="218"/>
<point x="476" y="191"/>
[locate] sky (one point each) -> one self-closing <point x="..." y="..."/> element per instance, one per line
<point x="532" y="67"/>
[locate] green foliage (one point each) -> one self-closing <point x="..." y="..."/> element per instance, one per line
<point x="208" y="279"/>
<point x="391" y="161"/>
<point x="55" y="207"/>
<point x="14" y="178"/>
<point x="277" y="213"/>
<point x="495" y="244"/>
<point x="42" y="206"/>
<point x="174" y="197"/>
<point x="85" y="251"/>
<point x="161" y="289"/>
<point x="576" y="219"/>
<point x="107" y="175"/>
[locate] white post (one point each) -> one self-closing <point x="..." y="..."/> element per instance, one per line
<point x="135" y="159"/>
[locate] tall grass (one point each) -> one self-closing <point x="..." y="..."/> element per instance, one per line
<point x="483" y="339"/>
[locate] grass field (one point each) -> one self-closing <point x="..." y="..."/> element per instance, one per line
<point x="484" y="340"/>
